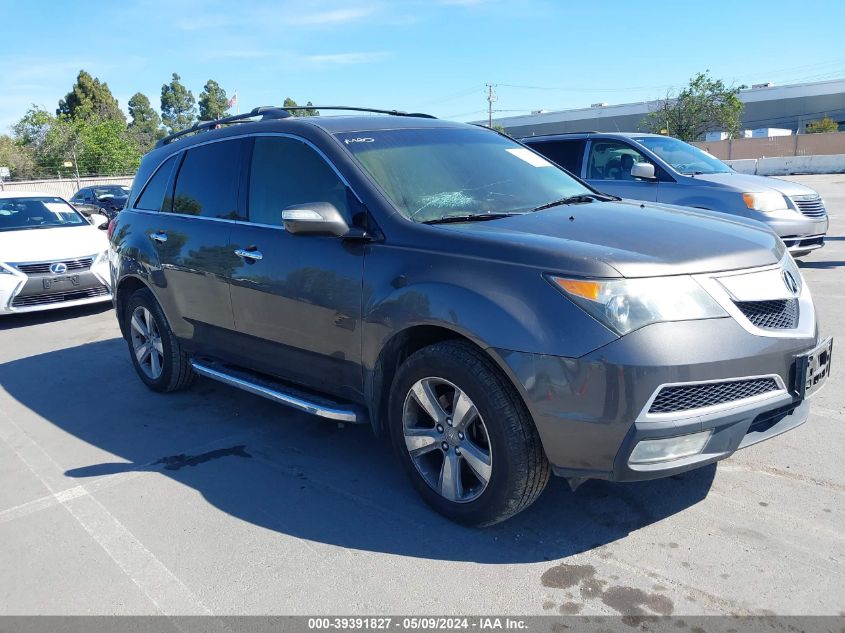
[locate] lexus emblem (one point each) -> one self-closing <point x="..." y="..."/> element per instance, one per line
<point x="59" y="268"/>
<point x="790" y="282"/>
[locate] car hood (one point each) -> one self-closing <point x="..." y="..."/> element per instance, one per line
<point x="749" y="182"/>
<point x="64" y="242"/>
<point x="632" y="238"/>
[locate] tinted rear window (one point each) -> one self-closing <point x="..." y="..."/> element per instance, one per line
<point x="207" y="183"/>
<point x="152" y="197"/>
<point x="567" y="154"/>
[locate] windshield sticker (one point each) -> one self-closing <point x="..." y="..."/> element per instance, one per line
<point x="359" y="139"/>
<point x="59" y="208"/>
<point x="535" y="160"/>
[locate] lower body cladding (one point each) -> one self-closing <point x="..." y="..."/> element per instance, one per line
<point x="664" y="399"/>
<point x="44" y="290"/>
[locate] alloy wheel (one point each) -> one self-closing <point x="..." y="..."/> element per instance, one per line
<point x="146" y="342"/>
<point x="447" y="439"/>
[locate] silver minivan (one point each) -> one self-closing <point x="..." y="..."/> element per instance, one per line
<point x="659" y="168"/>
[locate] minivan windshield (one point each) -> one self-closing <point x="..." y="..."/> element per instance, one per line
<point x="685" y="158"/>
<point x="17" y="214"/>
<point x="432" y="174"/>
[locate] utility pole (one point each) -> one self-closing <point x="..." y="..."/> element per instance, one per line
<point x="491" y="97"/>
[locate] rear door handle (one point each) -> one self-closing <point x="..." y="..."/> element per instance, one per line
<point x="159" y="236"/>
<point x="251" y="255"/>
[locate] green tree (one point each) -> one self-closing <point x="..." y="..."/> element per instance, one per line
<point x="822" y="125"/>
<point x="178" y="107"/>
<point x="17" y="157"/>
<point x="307" y="110"/>
<point x="89" y="98"/>
<point x="145" y="126"/>
<point x="705" y="105"/>
<point x="106" y="148"/>
<point x="32" y="127"/>
<point x="213" y="102"/>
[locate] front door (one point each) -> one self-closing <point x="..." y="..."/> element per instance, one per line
<point x="297" y="298"/>
<point x="609" y="170"/>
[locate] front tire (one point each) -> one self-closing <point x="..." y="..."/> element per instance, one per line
<point x="464" y="436"/>
<point x="155" y="352"/>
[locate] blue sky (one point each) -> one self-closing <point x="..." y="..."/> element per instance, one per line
<point x="433" y="56"/>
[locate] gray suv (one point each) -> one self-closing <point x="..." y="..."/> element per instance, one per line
<point x="658" y="168"/>
<point x="497" y="318"/>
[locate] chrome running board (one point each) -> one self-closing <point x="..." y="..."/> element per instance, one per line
<point x="279" y="392"/>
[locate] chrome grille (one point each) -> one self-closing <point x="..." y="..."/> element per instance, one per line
<point x="778" y="314"/>
<point x="59" y="297"/>
<point x="43" y="268"/>
<point x="810" y="205"/>
<point x="696" y="396"/>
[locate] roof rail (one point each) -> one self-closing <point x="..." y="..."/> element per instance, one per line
<point x="275" y="112"/>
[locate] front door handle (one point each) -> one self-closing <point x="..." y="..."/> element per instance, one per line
<point x="250" y="255"/>
<point x="159" y="236"/>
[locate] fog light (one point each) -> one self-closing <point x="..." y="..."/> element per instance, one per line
<point x="664" y="449"/>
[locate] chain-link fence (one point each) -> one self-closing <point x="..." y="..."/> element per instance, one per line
<point x="63" y="187"/>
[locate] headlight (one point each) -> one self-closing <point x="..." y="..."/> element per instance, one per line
<point x="624" y="305"/>
<point x="765" y="201"/>
<point x="5" y="271"/>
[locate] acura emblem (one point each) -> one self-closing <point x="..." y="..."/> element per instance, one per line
<point x="59" y="268"/>
<point x="790" y="282"/>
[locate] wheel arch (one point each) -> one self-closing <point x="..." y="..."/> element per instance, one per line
<point x="399" y="347"/>
<point x="126" y="287"/>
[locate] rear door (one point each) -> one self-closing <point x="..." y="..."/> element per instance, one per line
<point x="608" y="169"/>
<point x="198" y="198"/>
<point x="297" y="298"/>
<point x="568" y="153"/>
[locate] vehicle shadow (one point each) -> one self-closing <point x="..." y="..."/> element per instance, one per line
<point x="822" y="264"/>
<point x="14" y="321"/>
<point x="295" y="474"/>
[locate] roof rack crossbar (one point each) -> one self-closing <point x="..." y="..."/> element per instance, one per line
<point x="277" y="112"/>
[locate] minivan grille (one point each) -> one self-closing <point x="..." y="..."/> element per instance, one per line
<point x="696" y="396"/>
<point x="810" y="205"/>
<point x="59" y="297"/>
<point x="43" y="268"/>
<point x="778" y="314"/>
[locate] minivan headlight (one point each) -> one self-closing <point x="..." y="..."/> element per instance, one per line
<point x="765" y="201"/>
<point x="624" y="305"/>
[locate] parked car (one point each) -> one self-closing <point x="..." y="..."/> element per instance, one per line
<point x="496" y="317"/>
<point x="50" y="256"/>
<point x="659" y="168"/>
<point x="110" y="199"/>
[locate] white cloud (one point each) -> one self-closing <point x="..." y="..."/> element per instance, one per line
<point x="336" y="16"/>
<point x="342" y="59"/>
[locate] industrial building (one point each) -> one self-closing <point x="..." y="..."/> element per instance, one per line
<point x="766" y="106"/>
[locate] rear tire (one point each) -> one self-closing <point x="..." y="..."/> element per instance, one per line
<point x="155" y="352"/>
<point x="464" y="437"/>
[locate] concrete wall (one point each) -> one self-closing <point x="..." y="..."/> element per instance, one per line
<point x="63" y="188"/>
<point x="796" y="145"/>
<point x="785" y="165"/>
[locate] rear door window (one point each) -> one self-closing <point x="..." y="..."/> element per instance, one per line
<point x="286" y="171"/>
<point x="567" y="154"/>
<point x="152" y="198"/>
<point x="208" y="180"/>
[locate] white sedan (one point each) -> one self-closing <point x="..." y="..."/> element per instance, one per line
<point x="50" y="255"/>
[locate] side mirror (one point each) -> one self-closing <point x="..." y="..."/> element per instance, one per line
<point x="104" y="226"/>
<point x="643" y="170"/>
<point x="315" y="218"/>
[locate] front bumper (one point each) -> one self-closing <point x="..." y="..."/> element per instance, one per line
<point x="800" y="233"/>
<point x="22" y="292"/>
<point x="592" y="411"/>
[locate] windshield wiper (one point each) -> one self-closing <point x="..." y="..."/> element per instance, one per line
<point x="477" y="217"/>
<point x="580" y="198"/>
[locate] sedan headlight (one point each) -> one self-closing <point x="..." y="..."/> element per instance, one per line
<point x="624" y="305"/>
<point x="765" y="201"/>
